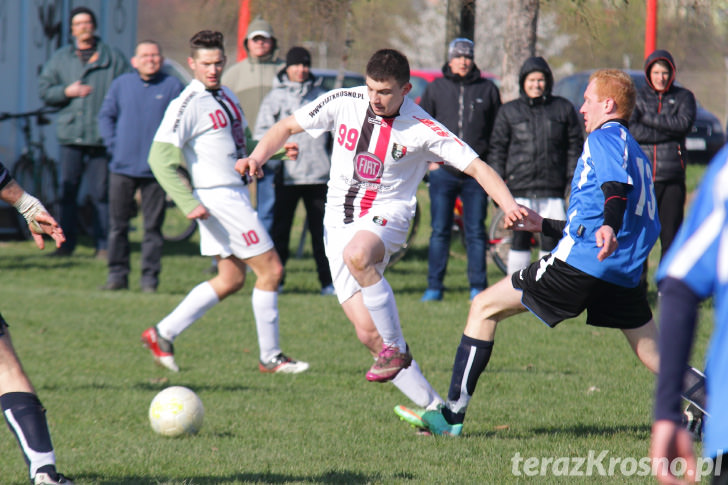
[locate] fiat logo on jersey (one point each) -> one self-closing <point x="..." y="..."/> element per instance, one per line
<point x="368" y="166"/>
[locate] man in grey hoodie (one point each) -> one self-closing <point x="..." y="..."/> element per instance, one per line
<point x="306" y="177"/>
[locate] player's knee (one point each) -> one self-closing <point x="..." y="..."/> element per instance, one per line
<point x="355" y="258"/>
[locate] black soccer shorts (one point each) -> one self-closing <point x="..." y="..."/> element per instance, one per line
<point x="554" y="291"/>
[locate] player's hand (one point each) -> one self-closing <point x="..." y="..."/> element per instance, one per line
<point x="514" y="215"/>
<point x="77" y="90"/>
<point x="607" y="240"/>
<point x="199" y="212"/>
<point x="45" y="224"/>
<point x="250" y="167"/>
<point x="671" y="441"/>
<point x="291" y="150"/>
<point x="533" y="222"/>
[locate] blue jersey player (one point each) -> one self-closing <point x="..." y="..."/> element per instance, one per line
<point x="694" y="269"/>
<point x="612" y="225"/>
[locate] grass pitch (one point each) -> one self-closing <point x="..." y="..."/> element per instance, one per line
<point x="547" y="394"/>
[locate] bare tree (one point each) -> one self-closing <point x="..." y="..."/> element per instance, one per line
<point x="520" y="43"/>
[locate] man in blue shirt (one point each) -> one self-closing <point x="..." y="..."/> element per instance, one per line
<point x="693" y="270"/>
<point x="611" y="227"/>
<point x="129" y="118"/>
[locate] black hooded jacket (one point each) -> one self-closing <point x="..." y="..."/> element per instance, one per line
<point x="465" y="105"/>
<point x="661" y="120"/>
<point x="536" y="142"/>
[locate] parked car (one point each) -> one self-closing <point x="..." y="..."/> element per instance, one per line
<point x="703" y="141"/>
<point x="420" y="78"/>
<point x="327" y="78"/>
<point x="173" y="68"/>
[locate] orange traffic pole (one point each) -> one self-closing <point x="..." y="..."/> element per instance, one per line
<point x="651" y="28"/>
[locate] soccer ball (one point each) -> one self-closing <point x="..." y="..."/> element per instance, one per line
<point x="176" y="411"/>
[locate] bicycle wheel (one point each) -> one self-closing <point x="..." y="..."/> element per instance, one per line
<point x="414" y="224"/>
<point x="176" y="226"/>
<point x="499" y="241"/>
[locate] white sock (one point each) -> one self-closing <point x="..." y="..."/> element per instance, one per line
<point x="518" y="260"/>
<point x="195" y="304"/>
<point x="413" y="384"/>
<point x="379" y="300"/>
<point x="265" y="309"/>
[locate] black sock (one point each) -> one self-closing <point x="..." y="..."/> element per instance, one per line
<point x="471" y="359"/>
<point x="25" y="416"/>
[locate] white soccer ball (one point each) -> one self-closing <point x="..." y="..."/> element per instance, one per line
<point x="176" y="411"/>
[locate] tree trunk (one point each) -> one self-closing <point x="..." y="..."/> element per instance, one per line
<point x="460" y="21"/>
<point x="520" y="43"/>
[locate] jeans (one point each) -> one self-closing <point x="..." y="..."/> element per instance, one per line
<point x="121" y="209"/>
<point x="314" y="199"/>
<point x="266" y="194"/>
<point x="444" y="189"/>
<point x="75" y="160"/>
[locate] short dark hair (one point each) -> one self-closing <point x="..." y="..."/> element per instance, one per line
<point x="206" y="39"/>
<point x="80" y="10"/>
<point x="387" y="64"/>
<point x="150" y="42"/>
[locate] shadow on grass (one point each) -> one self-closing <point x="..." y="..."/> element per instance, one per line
<point x="330" y="477"/>
<point x="583" y="431"/>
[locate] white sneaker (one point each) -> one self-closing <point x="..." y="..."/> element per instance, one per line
<point x="283" y="364"/>
<point x="45" y="479"/>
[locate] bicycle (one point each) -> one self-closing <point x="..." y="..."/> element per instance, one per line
<point x="34" y="170"/>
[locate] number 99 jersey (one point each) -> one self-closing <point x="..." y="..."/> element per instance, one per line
<point x="610" y="154"/>
<point x="377" y="162"/>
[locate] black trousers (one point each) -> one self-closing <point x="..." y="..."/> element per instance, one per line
<point x="670" y="207"/>
<point x="314" y="200"/>
<point x="121" y="210"/>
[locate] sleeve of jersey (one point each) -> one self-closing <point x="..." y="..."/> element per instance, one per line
<point x="448" y="147"/>
<point x="317" y="117"/>
<point x="607" y="153"/>
<point x="164" y="158"/>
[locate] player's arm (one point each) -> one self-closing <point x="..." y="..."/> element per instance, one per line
<point x="678" y="321"/>
<point x="39" y="220"/>
<point x="272" y="141"/>
<point x="495" y="187"/>
<point x="164" y="159"/>
<point x="615" y="203"/>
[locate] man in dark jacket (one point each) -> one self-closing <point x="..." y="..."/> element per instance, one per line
<point x="534" y="147"/>
<point x="75" y="79"/>
<point x="663" y="116"/>
<point x="466" y="104"/>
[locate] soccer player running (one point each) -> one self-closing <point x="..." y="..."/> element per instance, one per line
<point x="20" y="405"/>
<point x="694" y="270"/>
<point x="205" y="127"/>
<point x="596" y="266"/>
<point x="383" y="143"/>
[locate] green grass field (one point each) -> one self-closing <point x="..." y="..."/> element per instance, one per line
<point x="546" y="393"/>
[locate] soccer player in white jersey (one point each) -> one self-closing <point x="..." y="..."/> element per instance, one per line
<point x="205" y="127"/>
<point x="383" y="143"/>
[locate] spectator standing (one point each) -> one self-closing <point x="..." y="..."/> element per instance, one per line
<point x="663" y="116"/>
<point x="205" y="127"/>
<point x="251" y="80"/>
<point x="75" y="80"/>
<point x="20" y="405"/>
<point x="466" y="104"/>
<point x="535" y="144"/>
<point x="304" y="178"/>
<point x="128" y="120"/>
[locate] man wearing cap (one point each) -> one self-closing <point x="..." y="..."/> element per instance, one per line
<point x="306" y="177"/>
<point x="466" y="104"/>
<point x="251" y="79"/>
<point x="75" y="80"/>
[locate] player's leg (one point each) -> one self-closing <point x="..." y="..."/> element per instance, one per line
<point x="643" y="341"/>
<point x="410" y="381"/>
<point x="24" y="412"/>
<point x="361" y="254"/>
<point x="268" y="270"/>
<point x="473" y="353"/>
